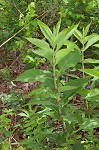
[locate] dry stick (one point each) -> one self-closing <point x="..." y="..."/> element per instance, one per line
<point x="17" y="7"/>
<point x="20" y="31"/>
<point x="14" y="61"/>
<point x="24" y="27"/>
<point x="11" y="37"/>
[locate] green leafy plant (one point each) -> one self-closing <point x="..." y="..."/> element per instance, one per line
<point x="52" y="97"/>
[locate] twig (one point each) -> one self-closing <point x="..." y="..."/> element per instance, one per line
<point x="12" y="37"/>
<point x="14" y="61"/>
<point x="16" y="7"/>
<point x="46" y="12"/>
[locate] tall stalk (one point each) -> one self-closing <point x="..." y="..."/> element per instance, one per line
<point x="56" y="82"/>
<point x="82" y="61"/>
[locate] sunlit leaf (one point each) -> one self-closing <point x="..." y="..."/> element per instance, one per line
<point x="68" y="61"/>
<point x="58" y="26"/>
<point x="73" y="84"/>
<point x="62" y="53"/>
<point x="39" y="43"/>
<point x="89" y="60"/>
<point x="89" y="124"/>
<point x="44" y="53"/>
<point x="70" y="31"/>
<point x="91" y="72"/>
<point x="78" y="35"/>
<point x="92" y="41"/>
<point x="60" y="39"/>
<point x="33" y="75"/>
<point x="93" y="95"/>
<point x="71" y="44"/>
<point x="46" y="31"/>
<point x="96" y="45"/>
<point x="86" y="30"/>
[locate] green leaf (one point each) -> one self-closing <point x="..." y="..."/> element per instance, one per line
<point x="39" y="43"/>
<point x="96" y="45"/>
<point x="44" y="53"/>
<point x="86" y="30"/>
<point x="92" y="41"/>
<point x="70" y="31"/>
<point x="91" y="72"/>
<point x="89" y="60"/>
<point x="5" y="146"/>
<point x="62" y="53"/>
<point x="78" y="146"/>
<point x="93" y="95"/>
<point x="40" y="102"/>
<point x="72" y="45"/>
<point x="58" y="26"/>
<point x="78" y="35"/>
<point x="60" y="39"/>
<point x="63" y="36"/>
<point x="68" y="61"/>
<point x="46" y="31"/>
<point x="73" y="84"/>
<point x="90" y="124"/>
<point x="33" y="75"/>
<point x="87" y="38"/>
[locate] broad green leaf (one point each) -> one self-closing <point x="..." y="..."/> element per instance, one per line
<point x="87" y="38"/>
<point x="73" y="84"/>
<point x="89" y="124"/>
<point x="54" y="31"/>
<point x="70" y="31"/>
<point x="92" y="41"/>
<point x="33" y="75"/>
<point x="78" y="146"/>
<point x="40" y="102"/>
<point x="6" y="145"/>
<point x="20" y="148"/>
<point x="93" y="95"/>
<point x="91" y="72"/>
<point x="58" y="26"/>
<point x="23" y="115"/>
<point x="96" y="45"/>
<point x="65" y="148"/>
<point x="39" y="43"/>
<point x="68" y="61"/>
<point x="89" y="60"/>
<point x="60" y="39"/>
<point x="46" y="31"/>
<point x="42" y="92"/>
<point x="62" y="53"/>
<point x="72" y="75"/>
<point x="78" y="35"/>
<point x="63" y="36"/>
<point x="44" y="53"/>
<point x="67" y="88"/>
<point x="86" y="30"/>
<point x="72" y="45"/>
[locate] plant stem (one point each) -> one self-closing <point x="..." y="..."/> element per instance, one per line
<point x="83" y="67"/>
<point x="54" y="71"/>
<point x="55" y="81"/>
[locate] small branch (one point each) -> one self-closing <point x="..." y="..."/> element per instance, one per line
<point x="14" y="61"/>
<point x="12" y="37"/>
<point x="44" y="14"/>
<point x="16" y="7"/>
